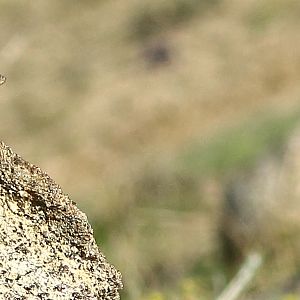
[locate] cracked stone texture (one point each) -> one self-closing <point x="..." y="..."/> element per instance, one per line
<point x="47" y="249"/>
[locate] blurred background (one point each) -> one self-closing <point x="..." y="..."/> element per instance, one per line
<point x="174" y="125"/>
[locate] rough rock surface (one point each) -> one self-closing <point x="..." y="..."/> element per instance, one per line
<point x="47" y="249"/>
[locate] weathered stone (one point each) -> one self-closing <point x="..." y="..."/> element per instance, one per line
<point x="47" y="249"/>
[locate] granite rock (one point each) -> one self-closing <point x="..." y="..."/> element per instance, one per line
<point x="47" y="248"/>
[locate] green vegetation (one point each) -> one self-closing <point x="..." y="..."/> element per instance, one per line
<point x="239" y="147"/>
<point x="265" y="13"/>
<point x="154" y="18"/>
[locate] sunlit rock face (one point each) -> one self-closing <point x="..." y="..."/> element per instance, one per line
<point x="47" y="249"/>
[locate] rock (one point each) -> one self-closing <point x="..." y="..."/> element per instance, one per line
<point x="47" y="249"/>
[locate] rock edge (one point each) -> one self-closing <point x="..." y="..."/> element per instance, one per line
<point x="47" y="248"/>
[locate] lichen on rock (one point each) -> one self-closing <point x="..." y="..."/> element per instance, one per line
<point x="47" y="248"/>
